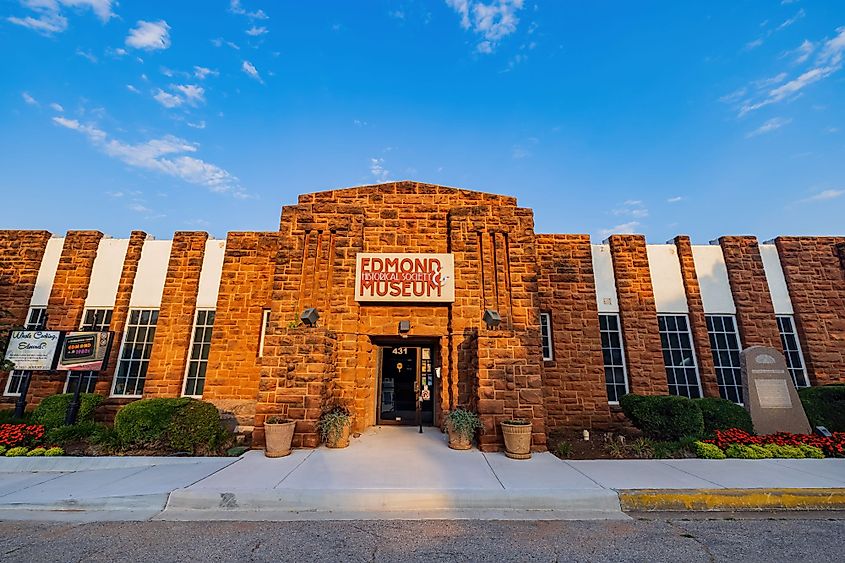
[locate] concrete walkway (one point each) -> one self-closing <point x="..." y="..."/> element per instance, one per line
<point x="389" y="472"/>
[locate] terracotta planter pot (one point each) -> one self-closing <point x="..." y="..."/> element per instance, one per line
<point x="458" y="441"/>
<point x="277" y="438"/>
<point x="517" y="440"/>
<point x="342" y="441"/>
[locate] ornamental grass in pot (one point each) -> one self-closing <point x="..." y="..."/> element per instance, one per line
<point x="278" y="434"/>
<point x="517" y="433"/>
<point x="335" y="425"/>
<point x="461" y="425"/>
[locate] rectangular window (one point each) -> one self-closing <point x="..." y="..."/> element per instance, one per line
<point x="679" y="356"/>
<point x="36" y="319"/>
<point x="200" y="346"/>
<point x="724" y="342"/>
<point x="265" y="325"/>
<point x="135" y="352"/>
<point x="615" y="374"/>
<point x="93" y="319"/>
<point x="546" y="335"/>
<point x="792" y="350"/>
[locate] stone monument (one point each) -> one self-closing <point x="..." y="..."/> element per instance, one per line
<point x="769" y="393"/>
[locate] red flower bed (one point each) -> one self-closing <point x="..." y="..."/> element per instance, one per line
<point x="13" y="435"/>
<point x="832" y="447"/>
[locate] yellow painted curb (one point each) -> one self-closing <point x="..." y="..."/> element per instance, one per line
<point x="732" y="499"/>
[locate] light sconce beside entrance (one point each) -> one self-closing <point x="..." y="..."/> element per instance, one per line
<point x="309" y="316"/>
<point x="491" y="318"/>
<point x="404" y="327"/>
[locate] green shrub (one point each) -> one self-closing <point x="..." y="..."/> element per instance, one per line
<point x="35" y="452"/>
<point x="675" y="448"/>
<point x="196" y="428"/>
<point x="51" y="411"/>
<point x="753" y="451"/>
<point x="811" y="451"/>
<point x="663" y="417"/>
<point x="708" y="451"/>
<point x="825" y="406"/>
<point x="3" y="449"/>
<point x="17" y="452"/>
<point x="144" y="422"/>
<point x="563" y="449"/>
<point x="7" y="416"/>
<point x="72" y="433"/>
<point x="720" y="414"/>
<point x="54" y="451"/>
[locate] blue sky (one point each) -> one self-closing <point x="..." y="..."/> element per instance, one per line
<point x="662" y="118"/>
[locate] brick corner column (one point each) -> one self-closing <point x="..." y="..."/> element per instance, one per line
<point x="755" y="313"/>
<point x="698" y="320"/>
<point x="638" y="313"/>
<point x="176" y="316"/>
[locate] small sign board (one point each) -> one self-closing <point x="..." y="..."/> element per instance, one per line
<point x="84" y="351"/>
<point x="416" y="278"/>
<point x="33" y="350"/>
<point x="769" y="393"/>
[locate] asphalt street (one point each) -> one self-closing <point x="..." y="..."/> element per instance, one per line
<point x="816" y="538"/>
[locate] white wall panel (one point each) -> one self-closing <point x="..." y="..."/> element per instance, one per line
<point x="105" y="274"/>
<point x="212" y="268"/>
<point x="152" y="271"/>
<point x="666" y="279"/>
<point x="606" y="296"/>
<point x="712" y="276"/>
<point x="47" y="272"/>
<point x="777" y="283"/>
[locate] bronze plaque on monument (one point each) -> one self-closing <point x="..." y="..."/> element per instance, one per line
<point x="769" y="393"/>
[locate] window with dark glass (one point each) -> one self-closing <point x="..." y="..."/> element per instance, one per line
<point x="725" y="345"/>
<point x="200" y="347"/>
<point x="135" y="352"/>
<point x="615" y="373"/>
<point x="679" y="356"/>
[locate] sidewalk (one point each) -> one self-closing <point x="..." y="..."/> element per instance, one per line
<point x="395" y="472"/>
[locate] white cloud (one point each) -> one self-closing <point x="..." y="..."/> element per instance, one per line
<point x="48" y="17"/>
<point x="149" y="36"/>
<point x="675" y="199"/>
<point x="831" y="52"/>
<point x="132" y="89"/>
<point x="236" y="8"/>
<point x="632" y="208"/>
<point x="753" y="44"/>
<point x="377" y="169"/>
<point x="29" y="99"/>
<point x="624" y="228"/>
<point x="825" y="195"/>
<point x="800" y="14"/>
<point x="87" y="55"/>
<point x="491" y="21"/>
<point x="198" y="125"/>
<point x="770" y="125"/>
<point x="250" y="70"/>
<point x="202" y="73"/>
<point x="802" y="52"/>
<point x="167" y="99"/>
<point x="193" y="94"/>
<point x="57" y="107"/>
<point x="166" y="155"/>
<point x="138" y="208"/>
<point x="766" y="82"/>
<point x="255" y="31"/>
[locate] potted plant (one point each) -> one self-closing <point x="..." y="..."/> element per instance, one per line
<point x="335" y="424"/>
<point x="278" y="434"/>
<point x="461" y="425"/>
<point x="517" y="433"/>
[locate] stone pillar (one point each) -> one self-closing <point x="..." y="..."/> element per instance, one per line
<point x="697" y="318"/>
<point x="638" y="314"/>
<point x="815" y="277"/>
<point x="166" y="370"/>
<point x="755" y="313"/>
<point x="575" y="393"/>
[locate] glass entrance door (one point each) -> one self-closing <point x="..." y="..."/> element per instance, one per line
<point x="407" y="385"/>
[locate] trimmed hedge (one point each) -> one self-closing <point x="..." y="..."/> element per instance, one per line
<point x="721" y="414"/>
<point x="663" y="417"/>
<point x="825" y="406"/>
<point x="51" y="411"/>
<point x="181" y="424"/>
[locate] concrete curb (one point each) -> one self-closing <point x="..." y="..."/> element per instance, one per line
<point x="72" y="463"/>
<point x="152" y="502"/>
<point x="666" y="500"/>
<point x="361" y="503"/>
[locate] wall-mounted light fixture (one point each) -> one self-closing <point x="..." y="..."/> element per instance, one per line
<point x="404" y="327"/>
<point x="491" y="318"/>
<point x="309" y="316"/>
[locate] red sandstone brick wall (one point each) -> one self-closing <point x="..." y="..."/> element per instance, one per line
<point x="573" y="381"/>
<point x="698" y="321"/>
<point x="638" y="313"/>
<point x="755" y="313"/>
<point x="169" y="357"/>
<point x="816" y="281"/>
<point x="20" y="258"/>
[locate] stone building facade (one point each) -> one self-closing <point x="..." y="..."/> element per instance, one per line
<point x="581" y="323"/>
